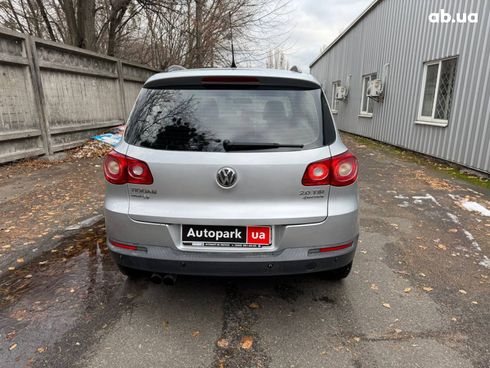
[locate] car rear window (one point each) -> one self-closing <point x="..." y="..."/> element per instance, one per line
<point x="202" y="119"/>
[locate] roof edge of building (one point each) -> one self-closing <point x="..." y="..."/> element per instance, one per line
<point x="347" y="29"/>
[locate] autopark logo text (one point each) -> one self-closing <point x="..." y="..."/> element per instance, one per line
<point x="443" y="17"/>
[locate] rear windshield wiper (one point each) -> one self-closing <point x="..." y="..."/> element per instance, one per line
<point x="244" y="146"/>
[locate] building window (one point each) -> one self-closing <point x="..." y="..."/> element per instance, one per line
<point x="437" y="92"/>
<point x="366" y="102"/>
<point x="334" y="92"/>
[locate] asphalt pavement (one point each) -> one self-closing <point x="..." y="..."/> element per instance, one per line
<point x="418" y="295"/>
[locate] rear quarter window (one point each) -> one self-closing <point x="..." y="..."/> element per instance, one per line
<point x="201" y="119"/>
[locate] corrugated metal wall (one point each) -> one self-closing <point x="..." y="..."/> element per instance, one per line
<point x="398" y="32"/>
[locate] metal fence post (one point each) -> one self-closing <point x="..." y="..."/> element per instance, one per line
<point x="39" y="93"/>
<point x="120" y="76"/>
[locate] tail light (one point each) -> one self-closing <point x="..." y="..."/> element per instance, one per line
<point x="121" y="169"/>
<point x="338" y="171"/>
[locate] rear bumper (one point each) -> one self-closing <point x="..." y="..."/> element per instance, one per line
<point x="270" y="266"/>
<point x="291" y="253"/>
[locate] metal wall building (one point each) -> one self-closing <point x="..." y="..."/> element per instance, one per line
<point x="437" y="91"/>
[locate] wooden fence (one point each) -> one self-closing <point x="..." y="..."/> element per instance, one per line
<point x="54" y="96"/>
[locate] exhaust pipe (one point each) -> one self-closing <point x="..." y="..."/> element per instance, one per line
<point x="156" y="278"/>
<point x="169" y="279"/>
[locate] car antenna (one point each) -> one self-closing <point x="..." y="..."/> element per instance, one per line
<point x="233" y="65"/>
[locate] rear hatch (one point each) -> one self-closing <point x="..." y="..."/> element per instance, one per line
<point x="192" y="136"/>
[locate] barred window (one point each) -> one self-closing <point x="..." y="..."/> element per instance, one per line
<point x="334" y="92"/>
<point x="437" y="91"/>
<point x="366" y="103"/>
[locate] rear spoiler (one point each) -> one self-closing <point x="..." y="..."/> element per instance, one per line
<point x="228" y="81"/>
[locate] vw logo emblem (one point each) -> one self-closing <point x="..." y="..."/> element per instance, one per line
<point x="226" y="177"/>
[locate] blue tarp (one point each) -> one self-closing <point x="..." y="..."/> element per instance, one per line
<point x="109" y="138"/>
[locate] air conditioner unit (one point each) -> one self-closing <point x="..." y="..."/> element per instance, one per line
<point x="341" y="93"/>
<point x="375" y="88"/>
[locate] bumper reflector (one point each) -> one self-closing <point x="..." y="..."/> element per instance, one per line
<point x="127" y="246"/>
<point x="330" y="249"/>
<point x="337" y="247"/>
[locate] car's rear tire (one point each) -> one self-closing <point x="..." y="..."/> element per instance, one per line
<point x="131" y="273"/>
<point x="339" y="273"/>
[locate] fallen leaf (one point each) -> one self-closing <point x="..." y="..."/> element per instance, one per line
<point x="195" y="333"/>
<point x="13" y="346"/>
<point x="454" y="319"/>
<point x="18" y="314"/>
<point x="10" y="335"/>
<point x="453" y="230"/>
<point x="407" y="290"/>
<point x="72" y="290"/>
<point x="20" y="260"/>
<point x="387" y="305"/>
<point x="474" y="302"/>
<point x="374" y="286"/>
<point x="422" y="274"/>
<point x="223" y="343"/>
<point x="402" y="272"/>
<point x="247" y="342"/>
<point x="41" y="349"/>
<point x="28" y="276"/>
<point x="11" y="268"/>
<point x="441" y="246"/>
<point x="7" y="246"/>
<point x="427" y="288"/>
<point x="254" y="306"/>
<point x="357" y="339"/>
<point x="397" y="330"/>
<point x="43" y="262"/>
<point x="462" y="291"/>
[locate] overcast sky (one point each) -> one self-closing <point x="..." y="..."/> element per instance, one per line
<point x="316" y="23"/>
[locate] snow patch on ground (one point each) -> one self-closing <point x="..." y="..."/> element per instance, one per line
<point x="474" y="191"/>
<point x="427" y="196"/>
<point x="85" y="223"/>
<point x="401" y="196"/>
<point x="470" y="205"/>
<point x="486" y="262"/>
<point x="476" y="207"/>
<point x="471" y="238"/>
<point x="453" y="218"/>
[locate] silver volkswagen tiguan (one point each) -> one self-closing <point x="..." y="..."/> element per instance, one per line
<point x="231" y="172"/>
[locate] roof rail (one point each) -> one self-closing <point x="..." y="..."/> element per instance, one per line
<point x="174" y="68"/>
